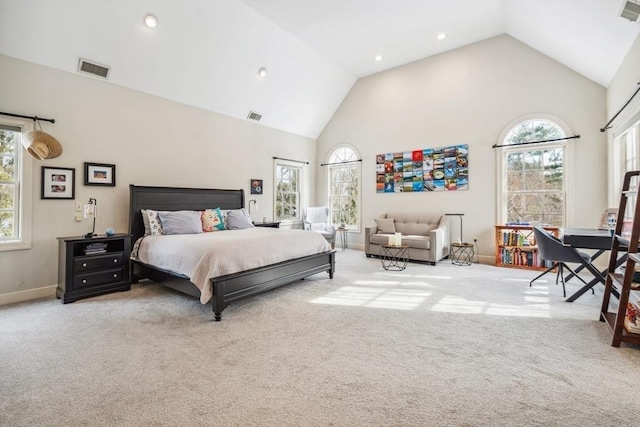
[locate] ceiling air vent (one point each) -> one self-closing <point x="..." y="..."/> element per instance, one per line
<point x="94" y="69"/>
<point x="254" y="116"/>
<point x="630" y="11"/>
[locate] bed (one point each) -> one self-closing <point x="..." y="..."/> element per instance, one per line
<point x="226" y="288"/>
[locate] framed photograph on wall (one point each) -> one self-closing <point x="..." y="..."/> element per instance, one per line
<point x="58" y="183"/>
<point x="99" y="174"/>
<point x="256" y="186"/>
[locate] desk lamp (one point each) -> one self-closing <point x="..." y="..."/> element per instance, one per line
<point x="91" y="209"/>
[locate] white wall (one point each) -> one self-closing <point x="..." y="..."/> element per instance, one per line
<point x="468" y="96"/>
<point x="622" y="86"/>
<point x="625" y="81"/>
<point x="152" y="141"/>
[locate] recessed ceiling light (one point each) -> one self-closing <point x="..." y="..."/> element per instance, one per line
<point x="150" y="20"/>
<point x="262" y="73"/>
<point x="378" y="58"/>
<point x="442" y="36"/>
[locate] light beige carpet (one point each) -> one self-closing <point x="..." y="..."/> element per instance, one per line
<point x="429" y="346"/>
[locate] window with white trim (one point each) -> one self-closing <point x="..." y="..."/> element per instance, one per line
<point x="627" y="146"/>
<point x="344" y="187"/>
<point x="15" y="189"/>
<point x="288" y="187"/>
<point x="533" y="177"/>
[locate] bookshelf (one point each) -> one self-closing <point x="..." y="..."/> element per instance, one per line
<point x="621" y="300"/>
<point x="516" y="247"/>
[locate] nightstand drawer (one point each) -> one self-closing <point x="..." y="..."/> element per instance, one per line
<point x="98" y="278"/>
<point x="96" y="262"/>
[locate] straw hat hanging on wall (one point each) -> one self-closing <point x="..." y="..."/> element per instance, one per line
<point x="40" y="144"/>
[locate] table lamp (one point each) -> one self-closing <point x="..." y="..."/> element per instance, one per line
<point x="91" y="209"/>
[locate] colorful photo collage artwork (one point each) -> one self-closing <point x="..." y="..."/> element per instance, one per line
<point x="431" y="169"/>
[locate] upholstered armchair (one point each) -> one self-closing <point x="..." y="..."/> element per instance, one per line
<point x="317" y="219"/>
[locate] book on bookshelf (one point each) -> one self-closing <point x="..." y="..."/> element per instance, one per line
<point x="632" y="318"/>
<point x="95" y="248"/>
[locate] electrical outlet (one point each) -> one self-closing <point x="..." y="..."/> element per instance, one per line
<point x="78" y="206"/>
<point x="78" y="217"/>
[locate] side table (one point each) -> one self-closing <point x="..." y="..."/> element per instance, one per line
<point x="343" y="237"/>
<point x="92" y="266"/>
<point x="394" y="258"/>
<point x="461" y="253"/>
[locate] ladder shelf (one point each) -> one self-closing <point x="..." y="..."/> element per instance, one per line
<point x="621" y="300"/>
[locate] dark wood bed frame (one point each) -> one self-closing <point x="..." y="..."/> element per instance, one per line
<point x="225" y="288"/>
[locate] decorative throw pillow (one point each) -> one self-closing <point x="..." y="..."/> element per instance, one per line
<point x="385" y="225"/>
<point x="212" y="220"/>
<point x="155" y="226"/>
<point x="145" y="221"/>
<point x="181" y="222"/>
<point x="225" y="214"/>
<point x="238" y="221"/>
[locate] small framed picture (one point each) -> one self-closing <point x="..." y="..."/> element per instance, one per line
<point x="256" y="186"/>
<point x="609" y="219"/>
<point x="58" y="183"/>
<point x="99" y="174"/>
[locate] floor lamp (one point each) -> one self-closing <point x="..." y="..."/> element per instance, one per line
<point x="458" y="215"/>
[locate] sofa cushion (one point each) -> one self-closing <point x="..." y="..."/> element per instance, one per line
<point x="385" y="225"/>
<point x="413" y="241"/>
<point x="417" y="242"/>
<point x="414" y="223"/>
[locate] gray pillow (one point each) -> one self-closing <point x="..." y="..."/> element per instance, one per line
<point x="180" y="222"/>
<point x="237" y="221"/>
<point x="385" y="225"/>
<point x="145" y="221"/>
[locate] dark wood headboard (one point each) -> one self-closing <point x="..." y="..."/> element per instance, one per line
<point x="176" y="199"/>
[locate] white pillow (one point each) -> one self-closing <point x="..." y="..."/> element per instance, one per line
<point x="155" y="226"/>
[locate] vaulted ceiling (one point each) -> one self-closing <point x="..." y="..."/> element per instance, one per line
<point x="208" y="53"/>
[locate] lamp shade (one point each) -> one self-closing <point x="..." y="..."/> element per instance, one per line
<point x="41" y="145"/>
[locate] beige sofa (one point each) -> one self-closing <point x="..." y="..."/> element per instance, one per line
<point x="427" y="235"/>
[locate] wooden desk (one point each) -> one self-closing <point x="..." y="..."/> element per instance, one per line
<point x="586" y="238"/>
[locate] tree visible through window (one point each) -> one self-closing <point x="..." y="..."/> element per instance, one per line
<point x="9" y="191"/>
<point x="533" y="181"/>
<point x="344" y="187"/>
<point x="287" y="186"/>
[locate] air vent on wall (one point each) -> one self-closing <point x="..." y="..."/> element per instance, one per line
<point x="254" y="116"/>
<point x="630" y="11"/>
<point x="93" y="69"/>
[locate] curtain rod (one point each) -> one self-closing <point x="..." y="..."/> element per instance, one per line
<point x="340" y="163"/>
<point x="607" y="126"/>
<point x="536" y="142"/>
<point x="34" y="118"/>
<point x="290" y="160"/>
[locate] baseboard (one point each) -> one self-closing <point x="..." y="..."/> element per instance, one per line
<point x="29" y="294"/>
<point x="486" y="259"/>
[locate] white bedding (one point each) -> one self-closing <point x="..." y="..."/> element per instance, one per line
<point x="202" y="256"/>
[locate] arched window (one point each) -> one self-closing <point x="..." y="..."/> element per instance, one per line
<point x="533" y="176"/>
<point x="344" y="187"/>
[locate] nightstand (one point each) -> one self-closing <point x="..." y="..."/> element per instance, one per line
<point x="92" y="266"/>
<point x="267" y="224"/>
